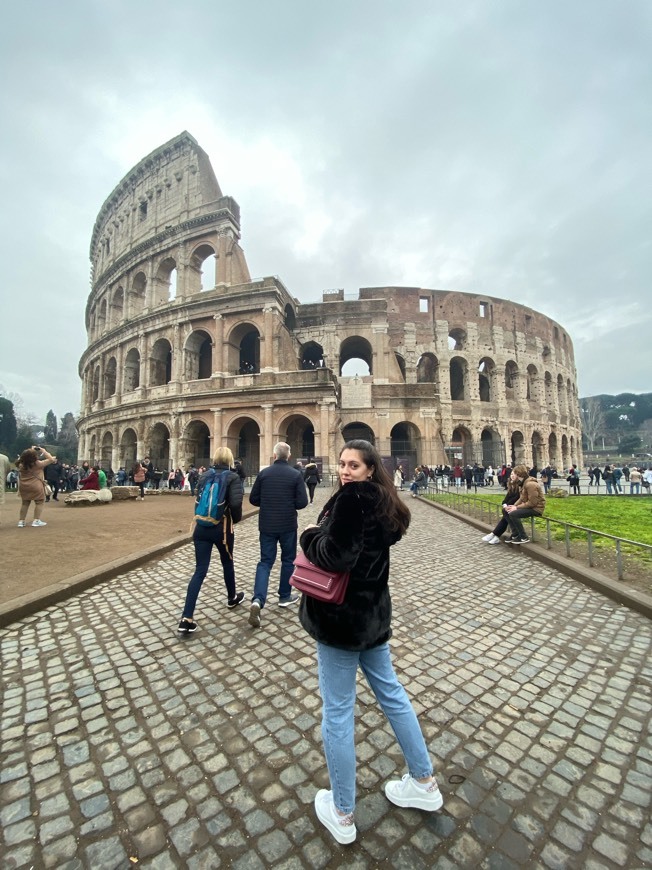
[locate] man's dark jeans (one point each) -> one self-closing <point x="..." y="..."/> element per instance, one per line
<point x="515" y="518"/>
<point x="268" y="544"/>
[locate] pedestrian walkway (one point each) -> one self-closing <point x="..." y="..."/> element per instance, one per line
<point x="124" y="744"/>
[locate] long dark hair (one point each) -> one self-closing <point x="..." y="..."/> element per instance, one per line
<point x="390" y="507"/>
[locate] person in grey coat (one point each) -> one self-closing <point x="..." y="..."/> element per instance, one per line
<point x="279" y="491"/>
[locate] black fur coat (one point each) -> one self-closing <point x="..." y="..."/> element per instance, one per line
<point x="351" y="538"/>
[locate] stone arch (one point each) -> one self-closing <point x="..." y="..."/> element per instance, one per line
<point x="158" y="447"/>
<point x="358" y="430"/>
<point x="243" y="437"/>
<point x="355" y="348"/>
<point x="550" y="395"/>
<point x="160" y="371"/>
<point x="311" y="356"/>
<point x="290" y="318"/>
<point x="106" y="453"/>
<point x="95" y="387"/>
<point x="131" y="370"/>
<point x="110" y="377"/>
<point x="298" y="431"/>
<point x="538" y="459"/>
<point x="92" y="448"/>
<point x="405" y="445"/>
<point x="492" y="448"/>
<point x="165" y="281"/>
<point x="518" y="448"/>
<point x="553" y="456"/>
<point x="198" y="356"/>
<point x="243" y="349"/>
<point x="459" y="379"/>
<point x="136" y="297"/>
<point x="461" y="447"/>
<point x="486" y="372"/>
<point x="457" y="339"/>
<point x="400" y="360"/>
<point x="511" y="379"/>
<point x="565" y="457"/>
<point x="195" y="445"/>
<point x="532" y="382"/>
<point x="100" y="322"/>
<point x="128" y="448"/>
<point x="427" y="369"/>
<point x="200" y="278"/>
<point x="117" y="306"/>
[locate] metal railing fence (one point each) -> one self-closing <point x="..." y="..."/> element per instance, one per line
<point x="571" y="533"/>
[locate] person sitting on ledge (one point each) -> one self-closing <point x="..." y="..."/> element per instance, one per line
<point x="531" y="503"/>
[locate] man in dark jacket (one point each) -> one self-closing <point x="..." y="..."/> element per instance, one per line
<point x="279" y="491"/>
<point x="53" y="477"/>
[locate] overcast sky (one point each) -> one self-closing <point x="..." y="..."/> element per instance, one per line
<point x="497" y="146"/>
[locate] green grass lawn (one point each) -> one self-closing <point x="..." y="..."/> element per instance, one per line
<point x="623" y="516"/>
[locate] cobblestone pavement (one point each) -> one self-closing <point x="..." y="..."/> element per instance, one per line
<point x="124" y="744"/>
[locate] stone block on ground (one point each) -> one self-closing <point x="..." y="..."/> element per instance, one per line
<point x="88" y="496"/>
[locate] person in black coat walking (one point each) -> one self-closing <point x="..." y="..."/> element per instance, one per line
<point x="279" y="491"/>
<point x="311" y="477"/>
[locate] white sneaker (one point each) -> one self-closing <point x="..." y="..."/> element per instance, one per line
<point x="407" y="792"/>
<point x="21" y="524"/>
<point x="495" y="540"/>
<point x="489" y="538"/>
<point x="38" y="523"/>
<point x="341" y="827"/>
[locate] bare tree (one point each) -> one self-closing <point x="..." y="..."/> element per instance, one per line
<point x="592" y="420"/>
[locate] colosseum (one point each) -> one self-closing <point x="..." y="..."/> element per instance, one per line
<point x="186" y="351"/>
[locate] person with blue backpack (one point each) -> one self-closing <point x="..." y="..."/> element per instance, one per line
<point x="218" y="507"/>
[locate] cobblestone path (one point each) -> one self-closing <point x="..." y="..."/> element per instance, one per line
<point x="125" y="745"/>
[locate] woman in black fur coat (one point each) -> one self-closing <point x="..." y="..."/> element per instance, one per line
<point x="357" y="526"/>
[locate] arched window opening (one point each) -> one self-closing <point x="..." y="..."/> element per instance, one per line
<point x="165" y="282"/>
<point x="198" y="356"/>
<point x="358" y="430"/>
<point x="492" y="449"/>
<point x="110" y="373"/>
<point x="137" y="294"/>
<point x="132" y="370"/>
<point x="202" y="269"/>
<point x="106" y="451"/>
<point x="158" y="448"/>
<point x="538" y="460"/>
<point x="101" y="317"/>
<point x="117" y="306"/>
<point x="312" y="356"/>
<point x="485" y="379"/>
<point x="405" y="441"/>
<point x="290" y="318"/>
<point x="161" y="363"/>
<point x="458" y="379"/>
<point x="96" y="384"/>
<point x="518" y="448"/>
<point x="128" y="449"/>
<point x="511" y="378"/>
<point x="195" y="445"/>
<point x="250" y="353"/>
<point x="460" y="449"/>
<point x="532" y="377"/>
<point x="401" y="365"/>
<point x="244" y="440"/>
<point x="553" y="456"/>
<point x="457" y="339"/>
<point x="427" y="369"/>
<point x="300" y="435"/>
<point x="356" y="357"/>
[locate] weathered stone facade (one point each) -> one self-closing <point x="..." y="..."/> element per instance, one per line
<point x="174" y="367"/>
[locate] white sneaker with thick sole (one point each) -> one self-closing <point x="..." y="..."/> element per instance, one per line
<point x="21" y="524"/>
<point x="488" y="538"/>
<point x="407" y="792"/>
<point x="38" y="523"/>
<point x="254" y="614"/>
<point x="496" y="540"/>
<point x="341" y="827"/>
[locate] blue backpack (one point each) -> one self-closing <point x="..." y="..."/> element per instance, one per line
<point x="210" y="508"/>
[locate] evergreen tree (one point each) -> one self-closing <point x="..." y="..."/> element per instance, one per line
<point x="51" y="427"/>
<point x="7" y="427"/>
<point x="68" y="440"/>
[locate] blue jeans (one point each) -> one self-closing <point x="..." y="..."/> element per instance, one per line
<point x="337" y="673"/>
<point x="635" y="489"/>
<point x="204" y="540"/>
<point x="268" y="542"/>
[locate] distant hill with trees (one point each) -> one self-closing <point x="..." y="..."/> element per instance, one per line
<point x="619" y="424"/>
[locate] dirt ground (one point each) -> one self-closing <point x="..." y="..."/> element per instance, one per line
<point x="78" y="539"/>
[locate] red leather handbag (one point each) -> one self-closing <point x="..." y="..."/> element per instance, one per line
<point x="329" y="586"/>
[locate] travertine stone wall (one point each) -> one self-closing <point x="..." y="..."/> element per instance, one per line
<point x="185" y="351"/>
